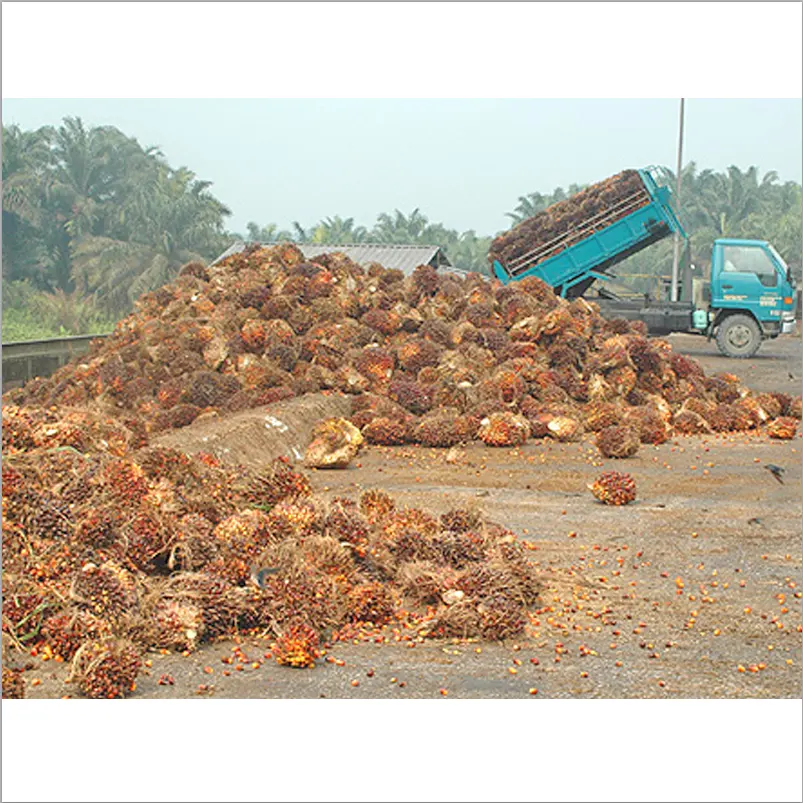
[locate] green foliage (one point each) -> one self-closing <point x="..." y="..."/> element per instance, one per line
<point x="465" y="250"/>
<point x="31" y="314"/>
<point x="88" y="208"/>
<point x="535" y="202"/>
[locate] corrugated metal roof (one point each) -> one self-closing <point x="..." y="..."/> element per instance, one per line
<point x="403" y="257"/>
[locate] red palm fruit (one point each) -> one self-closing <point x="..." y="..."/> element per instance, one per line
<point x="783" y="428"/>
<point x="504" y="429"/>
<point x="614" y="488"/>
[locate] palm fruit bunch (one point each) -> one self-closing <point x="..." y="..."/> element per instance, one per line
<point x="13" y="683"/>
<point x="564" y="428"/>
<point x="724" y="387"/>
<point x="296" y="518"/>
<point x="501" y="618"/>
<point x="177" y="625"/>
<point x="218" y="600"/>
<point x="614" y="488"/>
<point x="148" y="535"/>
<point x="345" y="522"/>
<point x="66" y="632"/>
<point x="688" y="422"/>
<point x="279" y="481"/>
<point x="414" y="397"/>
<point x="417" y="353"/>
<point x="376" y="505"/>
<point x="239" y="539"/>
<point x="442" y="428"/>
<point x="504" y="429"/>
<point x="371" y="602"/>
<point x="376" y="364"/>
<point x="599" y="415"/>
<point x="210" y="389"/>
<point x="194" y="546"/>
<point x="648" y="422"/>
<point x="461" y="620"/>
<point x="106" y="591"/>
<point x="459" y="550"/>
<point x="794" y="409"/>
<point x="783" y="428"/>
<point x="461" y="520"/>
<point x="618" y="441"/>
<point x="297" y="646"/>
<point x="729" y="418"/>
<point x="385" y="431"/>
<point x="368" y="406"/>
<point x="422" y="583"/>
<point x="106" y="669"/>
<point x="772" y="406"/>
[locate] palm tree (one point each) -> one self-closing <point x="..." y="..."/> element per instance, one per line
<point x="267" y="234"/>
<point x="728" y="198"/>
<point x="300" y="234"/>
<point x="401" y="228"/>
<point x="535" y="202"/>
<point x="176" y="222"/>
<point x="338" y="230"/>
<point x="26" y="159"/>
<point x="470" y="252"/>
<point x="94" y="168"/>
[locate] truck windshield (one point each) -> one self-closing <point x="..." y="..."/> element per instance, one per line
<point x="782" y="263"/>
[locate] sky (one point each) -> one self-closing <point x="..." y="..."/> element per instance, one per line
<point x="461" y="162"/>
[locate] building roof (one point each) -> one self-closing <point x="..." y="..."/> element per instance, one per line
<point x="405" y="258"/>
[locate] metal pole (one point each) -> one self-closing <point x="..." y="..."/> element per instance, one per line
<point x="676" y="251"/>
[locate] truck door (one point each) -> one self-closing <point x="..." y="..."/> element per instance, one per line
<point x="745" y="278"/>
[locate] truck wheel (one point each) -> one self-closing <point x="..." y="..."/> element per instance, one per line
<point x="738" y="336"/>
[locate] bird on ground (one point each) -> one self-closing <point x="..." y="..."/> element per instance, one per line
<point x="776" y="471"/>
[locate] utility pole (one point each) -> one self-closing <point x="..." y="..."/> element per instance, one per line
<point x="676" y="253"/>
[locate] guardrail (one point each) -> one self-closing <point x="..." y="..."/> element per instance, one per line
<point x="26" y="359"/>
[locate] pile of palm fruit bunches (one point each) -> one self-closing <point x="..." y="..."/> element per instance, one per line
<point x="113" y="547"/>
<point x="604" y="202"/>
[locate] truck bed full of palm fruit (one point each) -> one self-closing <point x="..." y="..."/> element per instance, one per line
<point x="567" y="222"/>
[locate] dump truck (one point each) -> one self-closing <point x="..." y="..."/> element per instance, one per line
<point x="751" y="294"/>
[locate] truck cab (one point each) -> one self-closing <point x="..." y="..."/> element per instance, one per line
<point x="753" y="296"/>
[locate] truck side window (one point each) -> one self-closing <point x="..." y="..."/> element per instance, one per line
<point x="747" y="259"/>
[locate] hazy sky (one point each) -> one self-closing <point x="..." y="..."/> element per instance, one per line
<point x="462" y="162"/>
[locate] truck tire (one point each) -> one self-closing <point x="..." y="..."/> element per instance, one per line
<point x="738" y="336"/>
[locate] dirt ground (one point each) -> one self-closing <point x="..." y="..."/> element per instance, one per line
<point x="692" y="591"/>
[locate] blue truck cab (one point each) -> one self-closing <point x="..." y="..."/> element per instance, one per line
<point x="753" y="295"/>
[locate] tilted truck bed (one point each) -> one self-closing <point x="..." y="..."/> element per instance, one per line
<point x="572" y="262"/>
